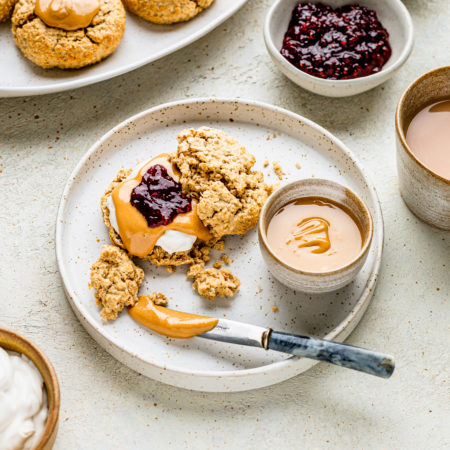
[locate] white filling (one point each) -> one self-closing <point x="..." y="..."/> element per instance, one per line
<point x="23" y="402"/>
<point x="171" y="241"/>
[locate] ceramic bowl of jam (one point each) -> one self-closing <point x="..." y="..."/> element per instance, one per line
<point x="422" y="123"/>
<point x="13" y="342"/>
<point x="338" y="48"/>
<point x="315" y="235"/>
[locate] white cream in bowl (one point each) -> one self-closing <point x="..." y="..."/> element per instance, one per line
<point x="23" y="402"/>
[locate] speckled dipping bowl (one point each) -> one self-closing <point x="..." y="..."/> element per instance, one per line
<point x="16" y="343"/>
<point x="301" y="280"/>
<point x="425" y="193"/>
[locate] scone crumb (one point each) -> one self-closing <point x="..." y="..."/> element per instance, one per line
<point x="219" y="245"/>
<point x="171" y="269"/>
<point x="116" y="280"/>
<point x="278" y="170"/>
<point x="275" y="308"/>
<point x="194" y="270"/>
<point x="213" y="283"/>
<point x="217" y="265"/>
<point x="298" y="165"/>
<point x="266" y="163"/>
<point x="225" y="259"/>
<point x="159" y="299"/>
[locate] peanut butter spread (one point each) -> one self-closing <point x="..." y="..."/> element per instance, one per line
<point x="67" y="14"/>
<point x="168" y="322"/>
<point x="137" y="237"/>
<point x="315" y="234"/>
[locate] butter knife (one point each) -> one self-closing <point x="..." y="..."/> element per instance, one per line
<point x="347" y="356"/>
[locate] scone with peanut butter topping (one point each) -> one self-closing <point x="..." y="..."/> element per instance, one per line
<point x="149" y="216"/>
<point x="68" y="34"/>
<point x="6" y="9"/>
<point x="167" y="11"/>
<point x="177" y="206"/>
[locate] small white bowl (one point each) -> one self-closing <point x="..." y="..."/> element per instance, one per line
<point x="391" y="13"/>
<point x="302" y="280"/>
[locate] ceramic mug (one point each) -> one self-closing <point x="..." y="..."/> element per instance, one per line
<point x="426" y="193"/>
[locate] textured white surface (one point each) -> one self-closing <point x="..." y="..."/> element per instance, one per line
<point x="106" y="405"/>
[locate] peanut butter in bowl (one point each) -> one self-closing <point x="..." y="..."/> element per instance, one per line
<point x="314" y="234"/>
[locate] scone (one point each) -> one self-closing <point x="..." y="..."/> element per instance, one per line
<point x="6" y="8"/>
<point x="177" y="206"/>
<point x="51" y="47"/>
<point x="116" y="280"/>
<point x="216" y="170"/>
<point x="167" y="11"/>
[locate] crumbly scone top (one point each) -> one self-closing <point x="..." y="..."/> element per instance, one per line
<point x="216" y="170"/>
<point x="116" y="280"/>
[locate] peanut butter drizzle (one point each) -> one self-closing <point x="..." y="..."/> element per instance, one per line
<point x="168" y="322"/>
<point x="313" y="232"/>
<point x="67" y="14"/>
<point x="138" y="238"/>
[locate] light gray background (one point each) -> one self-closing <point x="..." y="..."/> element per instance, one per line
<point x="106" y="405"/>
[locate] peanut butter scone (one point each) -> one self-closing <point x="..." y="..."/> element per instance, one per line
<point x="116" y="280"/>
<point x="158" y="256"/>
<point x="216" y="170"/>
<point x="167" y="11"/>
<point x="50" y="47"/>
<point x="6" y="9"/>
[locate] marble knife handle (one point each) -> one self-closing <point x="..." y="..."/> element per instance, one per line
<point x="343" y="355"/>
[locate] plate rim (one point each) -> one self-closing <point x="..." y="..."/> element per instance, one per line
<point x="93" y="79"/>
<point x="339" y="333"/>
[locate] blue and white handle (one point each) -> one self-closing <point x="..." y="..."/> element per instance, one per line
<point x="343" y="355"/>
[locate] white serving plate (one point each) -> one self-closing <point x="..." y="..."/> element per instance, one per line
<point x="143" y="42"/>
<point x="196" y="363"/>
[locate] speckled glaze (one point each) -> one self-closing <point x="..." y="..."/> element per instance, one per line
<point x="314" y="282"/>
<point x="269" y="133"/>
<point x="14" y="342"/>
<point x="392" y="14"/>
<point x="426" y="194"/>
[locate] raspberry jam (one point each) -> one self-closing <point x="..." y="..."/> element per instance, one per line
<point x="337" y="44"/>
<point x="158" y="197"/>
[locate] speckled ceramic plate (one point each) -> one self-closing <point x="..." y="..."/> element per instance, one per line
<point x="269" y="133"/>
<point x="143" y="42"/>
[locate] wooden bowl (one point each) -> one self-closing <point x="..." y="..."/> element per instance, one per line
<point x="426" y="193"/>
<point x="12" y="341"/>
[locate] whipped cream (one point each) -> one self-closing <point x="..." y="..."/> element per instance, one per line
<point x="171" y="241"/>
<point x="23" y="402"/>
